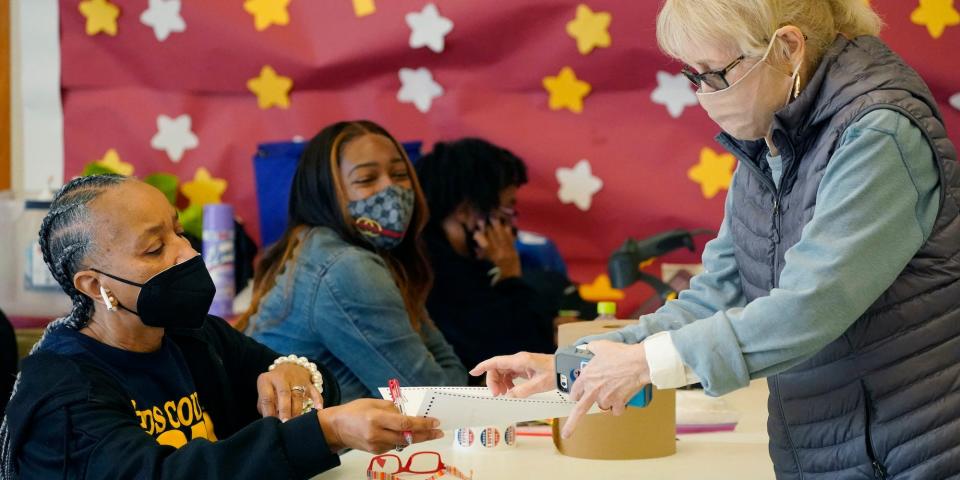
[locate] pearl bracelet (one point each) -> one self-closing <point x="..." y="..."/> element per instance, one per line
<point x="315" y="376"/>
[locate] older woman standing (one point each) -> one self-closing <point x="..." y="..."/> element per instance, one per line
<point x="835" y="271"/>
<point x="138" y="382"/>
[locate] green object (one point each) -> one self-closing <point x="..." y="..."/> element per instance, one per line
<point x="607" y="308"/>
<point x="192" y="220"/>
<point x="166" y="183"/>
<point x="94" y="168"/>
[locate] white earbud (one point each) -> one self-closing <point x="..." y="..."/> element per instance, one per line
<point x="106" y="299"/>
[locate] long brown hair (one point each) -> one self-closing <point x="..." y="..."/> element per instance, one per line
<point x="318" y="198"/>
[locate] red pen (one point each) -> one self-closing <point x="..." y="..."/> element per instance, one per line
<point x="397" y="396"/>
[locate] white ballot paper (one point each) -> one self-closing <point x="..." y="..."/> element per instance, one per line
<point x="458" y="407"/>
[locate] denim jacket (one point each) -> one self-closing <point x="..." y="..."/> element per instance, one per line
<point x="338" y="304"/>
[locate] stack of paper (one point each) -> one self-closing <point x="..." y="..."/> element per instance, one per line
<point x="458" y="407"/>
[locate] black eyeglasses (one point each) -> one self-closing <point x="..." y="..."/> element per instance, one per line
<point x="716" y="79"/>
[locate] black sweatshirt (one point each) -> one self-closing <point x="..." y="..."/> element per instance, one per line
<point x="72" y="418"/>
<point x="481" y="320"/>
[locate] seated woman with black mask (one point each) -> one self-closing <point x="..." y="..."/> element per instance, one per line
<point x="138" y="382"/>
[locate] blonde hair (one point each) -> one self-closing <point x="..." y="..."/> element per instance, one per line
<point x="747" y="25"/>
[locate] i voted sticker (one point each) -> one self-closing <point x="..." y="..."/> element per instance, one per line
<point x="510" y="437"/>
<point x="490" y="437"/>
<point x="485" y="438"/>
<point x="464" y="437"/>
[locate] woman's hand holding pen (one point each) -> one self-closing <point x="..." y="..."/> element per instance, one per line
<point x="373" y="426"/>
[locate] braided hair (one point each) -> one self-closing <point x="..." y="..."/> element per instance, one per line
<point x="65" y="238"/>
<point x="64" y="241"/>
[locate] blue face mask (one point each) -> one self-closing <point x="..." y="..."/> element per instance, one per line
<point x="383" y="218"/>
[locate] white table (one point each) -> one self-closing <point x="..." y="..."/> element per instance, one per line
<point x="740" y="455"/>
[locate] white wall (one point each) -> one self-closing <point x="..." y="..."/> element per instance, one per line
<point x="37" y="116"/>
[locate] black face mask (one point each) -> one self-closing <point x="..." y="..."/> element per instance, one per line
<point x="179" y="296"/>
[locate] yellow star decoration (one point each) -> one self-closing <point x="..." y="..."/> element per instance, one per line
<point x="713" y="173"/>
<point x="204" y="189"/>
<point x="589" y="29"/>
<point x="271" y="89"/>
<point x="600" y="290"/>
<point x="936" y="15"/>
<point x="362" y="8"/>
<point x="566" y="91"/>
<point x="267" y="12"/>
<point x="101" y="16"/>
<point x="111" y="161"/>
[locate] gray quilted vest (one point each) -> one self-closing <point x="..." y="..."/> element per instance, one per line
<point x="883" y="400"/>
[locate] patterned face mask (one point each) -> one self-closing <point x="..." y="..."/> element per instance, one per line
<point x="383" y="218"/>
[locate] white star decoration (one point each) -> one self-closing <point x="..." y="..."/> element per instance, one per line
<point x="427" y="28"/>
<point x="578" y="185"/>
<point x="164" y="17"/>
<point x="174" y="136"/>
<point x="675" y="92"/>
<point x="955" y="101"/>
<point x="418" y="88"/>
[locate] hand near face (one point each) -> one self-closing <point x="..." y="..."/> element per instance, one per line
<point x="497" y="245"/>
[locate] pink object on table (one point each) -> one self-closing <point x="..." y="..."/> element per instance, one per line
<point x="705" y="428"/>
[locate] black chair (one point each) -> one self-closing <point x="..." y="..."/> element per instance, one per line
<point x="8" y="360"/>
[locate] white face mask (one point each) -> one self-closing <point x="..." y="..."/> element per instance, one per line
<point x="745" y="109"/>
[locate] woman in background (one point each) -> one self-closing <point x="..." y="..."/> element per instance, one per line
<point x="481" y="290"/>
<point x="347" y="282"/>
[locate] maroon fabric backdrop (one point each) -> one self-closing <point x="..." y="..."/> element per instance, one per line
<point x="492" y="70"/>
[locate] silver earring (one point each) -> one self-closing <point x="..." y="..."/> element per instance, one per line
<point x="796" y="87"/>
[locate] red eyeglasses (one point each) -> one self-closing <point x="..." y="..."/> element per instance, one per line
<point x="390" y="466"/>
<point x="420" y="462"/>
